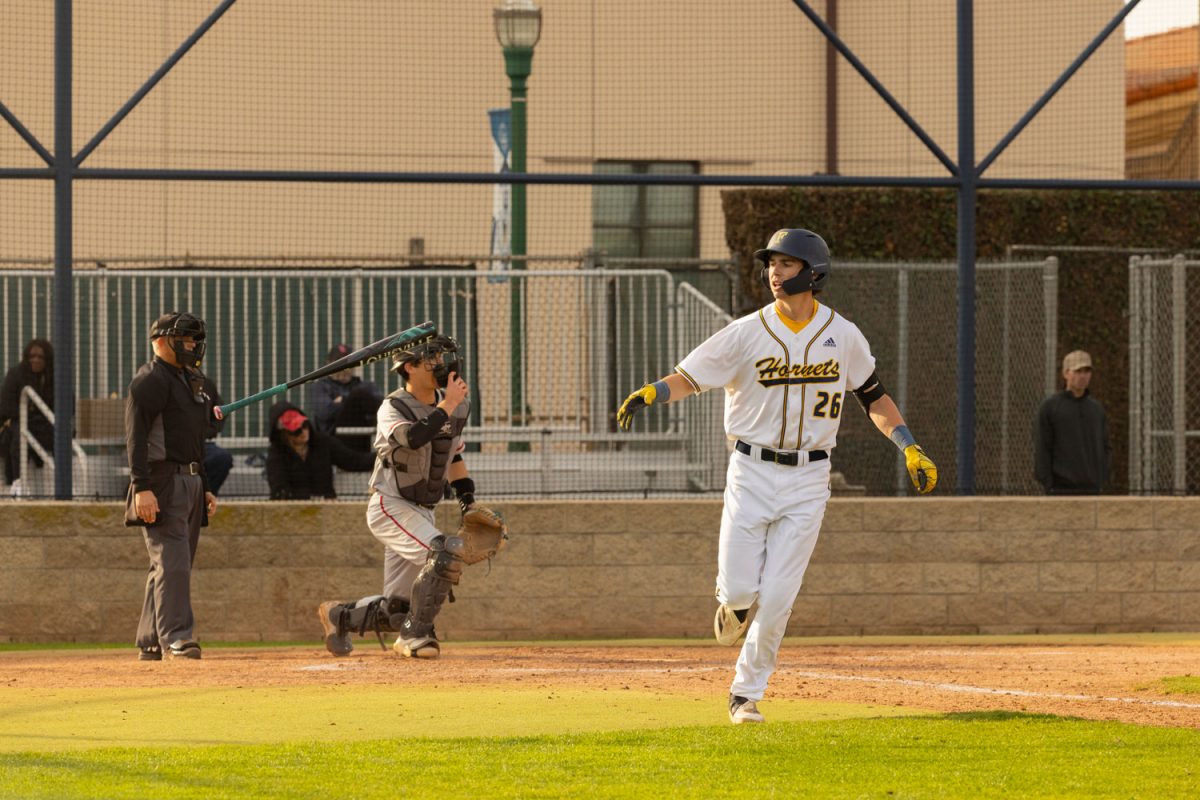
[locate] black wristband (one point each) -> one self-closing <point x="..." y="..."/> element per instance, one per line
<point x="464" y="490"/>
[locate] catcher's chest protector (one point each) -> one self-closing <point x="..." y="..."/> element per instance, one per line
<point x="421" y="474"/>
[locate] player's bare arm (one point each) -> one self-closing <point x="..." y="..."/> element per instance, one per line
<point x="665" y="390"/>
<point x="887" y="418"/>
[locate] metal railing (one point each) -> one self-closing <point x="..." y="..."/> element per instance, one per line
<point x="83" y="486"/>
<point x="588" y="337"/>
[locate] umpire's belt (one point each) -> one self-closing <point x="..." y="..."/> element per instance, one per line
<point x="191" y="468"/>
<point x="792" y="459"/>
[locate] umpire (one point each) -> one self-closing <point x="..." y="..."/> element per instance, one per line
<point x="166" y="420"/>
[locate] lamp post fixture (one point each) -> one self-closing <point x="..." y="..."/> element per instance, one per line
<point x="518" y="26"/>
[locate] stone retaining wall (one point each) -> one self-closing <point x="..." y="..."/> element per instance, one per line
<point x="72" y="572"/>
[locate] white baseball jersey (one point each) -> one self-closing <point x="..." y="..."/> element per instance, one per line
<point x="783" y="390"/>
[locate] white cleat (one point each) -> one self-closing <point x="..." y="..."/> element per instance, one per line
<point x="742" y="710"/>
<point x="726" y="626"/>
<point x="422" y="647"/>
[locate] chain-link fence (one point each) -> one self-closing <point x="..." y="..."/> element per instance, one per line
<point x="1164" y="349"/>
<point x="908" y="313"/>
<point x="587" y="338"/>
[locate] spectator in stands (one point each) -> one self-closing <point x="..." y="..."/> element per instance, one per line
<point x="217" y="460"/>
<point x="301" y="459"/>
<point x="1072" y="451"/>
<point x="36" y="369"/>
<point x="344" y="400"/>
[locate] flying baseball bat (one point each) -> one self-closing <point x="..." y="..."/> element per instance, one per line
<point x="366" y="355"/>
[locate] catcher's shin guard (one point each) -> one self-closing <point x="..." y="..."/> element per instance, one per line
<point x="431" y="588"/>
<point x="379" y="614"/>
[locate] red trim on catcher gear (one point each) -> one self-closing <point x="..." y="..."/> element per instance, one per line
<point x="396" y="522"/>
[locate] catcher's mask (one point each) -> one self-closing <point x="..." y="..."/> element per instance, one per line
<point x="441" y="350"/>
<point x="176" y="325"/>
<point x="804" y="245"/>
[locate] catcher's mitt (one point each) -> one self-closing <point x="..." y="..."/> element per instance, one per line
<point x="483" y="533"/>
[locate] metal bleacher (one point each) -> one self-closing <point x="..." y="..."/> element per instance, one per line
<point x="590" y="336"/>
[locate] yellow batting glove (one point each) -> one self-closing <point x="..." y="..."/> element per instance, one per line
<point x="643" y="397"/>
<point x="921" y="469"/>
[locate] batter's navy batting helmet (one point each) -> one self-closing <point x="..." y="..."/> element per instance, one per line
<point x="804" y="245"/>
<point x="441" y="349"/>
<point x="179" y="324"/>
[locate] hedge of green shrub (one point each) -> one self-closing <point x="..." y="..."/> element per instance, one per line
<point x="921" y="225"/>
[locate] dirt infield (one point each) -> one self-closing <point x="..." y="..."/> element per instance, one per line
<point x="1109" y="681"/>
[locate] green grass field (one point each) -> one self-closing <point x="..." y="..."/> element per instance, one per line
<point x="384" y="741"/>
<point x="966" y="755"/>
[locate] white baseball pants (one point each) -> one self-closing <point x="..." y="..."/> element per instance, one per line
<point x="769" y="527"/>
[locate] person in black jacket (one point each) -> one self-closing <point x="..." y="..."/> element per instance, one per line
<point x="36" y="369"/>
<point x="166" y="419"/>
<point x="1072" y="451"/>
<point x="301" y="459"/>
<point x="344" y="400"/>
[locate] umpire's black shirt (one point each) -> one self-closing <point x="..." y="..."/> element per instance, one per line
<point x="1071" y="440"/>
<point x="166" y="419"/>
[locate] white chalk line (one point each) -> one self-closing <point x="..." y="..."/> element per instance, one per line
<point x="827" y="676"/>
<point x="955" y="687"/>
<point x="823" y="676"/>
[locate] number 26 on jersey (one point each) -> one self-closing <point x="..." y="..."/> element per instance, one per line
<point x="828" y="405"/>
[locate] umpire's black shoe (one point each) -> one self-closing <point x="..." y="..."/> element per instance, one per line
<point x="150" y="653"/>
<point x="184" y="649"/>
<point x="337" y="639"/>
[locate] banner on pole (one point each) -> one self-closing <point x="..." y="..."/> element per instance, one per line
<point x="501" y="245"/>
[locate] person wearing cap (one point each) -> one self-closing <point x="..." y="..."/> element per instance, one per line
<point x="1072" y="453"/>
<point x="300" y="461"/>
<point x="166" y="421"/>
<point x="344" y="400"/>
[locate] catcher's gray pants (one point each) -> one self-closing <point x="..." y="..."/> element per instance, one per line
<point x="406" y="530"/>
<point x="171" y="544"/>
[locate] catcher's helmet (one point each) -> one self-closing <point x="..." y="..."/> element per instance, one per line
<point x="804" y="245"/>
<point x="177" y="324"/>
<point x="441" y="349"/>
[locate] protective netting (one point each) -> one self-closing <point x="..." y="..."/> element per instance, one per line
<point x="390" y="102"/>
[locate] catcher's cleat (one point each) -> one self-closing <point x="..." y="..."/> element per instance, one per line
<point x="743" y="710"/>
<point x="337" y="640"/>
<point x="726" y="626"/>
<point x="421" y="647"/>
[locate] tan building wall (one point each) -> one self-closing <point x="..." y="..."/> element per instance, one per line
<point x="280" y="84"/>
<point x="71" y="572"/>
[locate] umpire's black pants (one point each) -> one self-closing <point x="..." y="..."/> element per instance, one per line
<point x="171" y="544"/>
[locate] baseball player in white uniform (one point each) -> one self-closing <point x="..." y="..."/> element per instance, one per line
<point x="786" y="371"/>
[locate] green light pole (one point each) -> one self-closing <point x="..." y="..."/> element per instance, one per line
<point x="518" y="26"/>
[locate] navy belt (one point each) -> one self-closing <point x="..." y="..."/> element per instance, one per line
<point x="786" y="459"/>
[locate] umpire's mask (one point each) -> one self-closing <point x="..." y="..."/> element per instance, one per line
<point x="177" y="324"/>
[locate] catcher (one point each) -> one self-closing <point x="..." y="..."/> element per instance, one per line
<point x="418" y="447"/>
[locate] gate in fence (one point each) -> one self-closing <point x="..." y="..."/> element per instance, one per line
<point x="1164" y="428"/>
